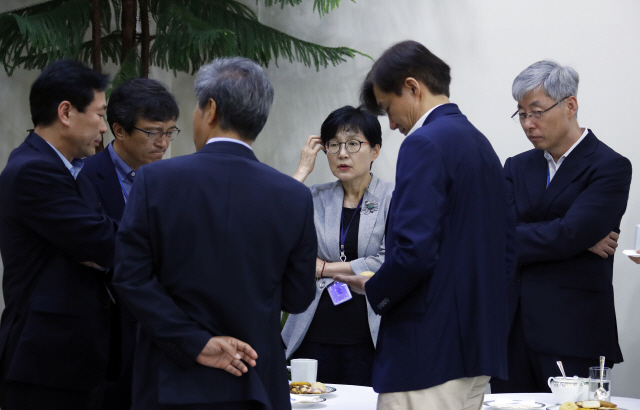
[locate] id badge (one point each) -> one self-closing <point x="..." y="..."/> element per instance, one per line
<point x="339" y="293"/>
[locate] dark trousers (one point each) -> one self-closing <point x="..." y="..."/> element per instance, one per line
<point x="529" y="370"/>
<point x="340" y="364"/>
<point x="24" y="396"/>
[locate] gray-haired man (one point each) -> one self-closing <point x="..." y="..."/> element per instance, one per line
<point x="568" y="196"/>
<point x="213" y="245"/>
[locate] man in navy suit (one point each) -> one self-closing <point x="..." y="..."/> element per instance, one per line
<point x="142" y="116"/>
<point x="56" y="339"/>
<point x="442" y="290"/>
<point x="213" y="246"/>
<point x="568" y="196"/>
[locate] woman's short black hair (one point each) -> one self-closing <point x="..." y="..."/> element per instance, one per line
<point x="349" y="118"/>
<point x="63" y="80"/>
<point x="401" y="61"/>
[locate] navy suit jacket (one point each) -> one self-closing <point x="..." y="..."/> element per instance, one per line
<point x="212" y="244"/>
<point x="55" y="328"/>
<point x="442" y="290"/>
<point x="102" y="173"/>
<point x="564" y="288"/>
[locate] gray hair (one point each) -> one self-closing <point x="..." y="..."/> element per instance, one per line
<point x="242" y="93"/>
<point x="557" y="81"/>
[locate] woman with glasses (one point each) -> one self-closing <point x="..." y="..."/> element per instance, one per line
<point x="350" y="218"/>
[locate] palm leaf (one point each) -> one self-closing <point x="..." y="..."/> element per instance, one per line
<point x="192" y="32"/>
<point x="34" y="36"/>
<point x="323" y="6"/>
<point x="130" y="69"/>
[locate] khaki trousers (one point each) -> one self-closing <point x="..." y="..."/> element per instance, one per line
<point x="460" y="394"/>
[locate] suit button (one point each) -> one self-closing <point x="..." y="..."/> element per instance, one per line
<point x="322" y="285"/>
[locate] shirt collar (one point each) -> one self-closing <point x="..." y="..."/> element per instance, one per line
<point x="422" y="119"/>
<point x="225" y="139"/>
<point x="123" y="170"/>
<point x="549" y="157"/>
<point x="75" y="166"/>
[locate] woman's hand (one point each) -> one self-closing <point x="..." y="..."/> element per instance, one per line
<point x="308" y="157"/>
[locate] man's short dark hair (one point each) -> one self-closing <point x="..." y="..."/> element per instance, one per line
<point x="399" y="62"/>
<point x="63" y="80"/>
<point x="352" y="119"/>
<point x="140" y="98"/>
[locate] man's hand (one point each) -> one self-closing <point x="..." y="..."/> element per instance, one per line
<point x="92" y="265"/>
<point x="607" y="245"/>
<point x="636" y="259"/>
<point x="227" y="353"/>
<point x="355" y="282"/>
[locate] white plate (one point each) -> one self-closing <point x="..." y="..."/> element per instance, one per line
<point x="514" y="404"/>
<point x="330" y="389"/>
<point x="630" y="252"/>
<point x="557" y="407"/>
<point x="296" y="400"/>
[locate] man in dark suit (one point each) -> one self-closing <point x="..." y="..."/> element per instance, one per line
<point x="568" y="196"/>
<point x="142" y="116"/>
<point x="214" y="244"/>
<point x="55" y="335"/>
<point x="442" y="290"/>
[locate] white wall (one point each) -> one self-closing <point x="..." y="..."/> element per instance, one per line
<point x="486" y="43"/>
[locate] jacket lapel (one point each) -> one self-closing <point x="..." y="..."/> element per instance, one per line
<point x="571" y="167"/>
<point x="109" y="187"/>
<point x="535" y="173"/>
<point x="368" y="219"/>
<point x="333" y="214"/>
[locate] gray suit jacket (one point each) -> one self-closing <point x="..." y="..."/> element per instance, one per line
<point x="327" y="204"/>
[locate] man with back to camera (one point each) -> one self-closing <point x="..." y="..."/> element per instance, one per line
<point x="142" y="116"/>
<point x="55" y="336"/>
<point x="216" y="243"/>
<point x="568" y="195"/>
<point x="442" y="289"/>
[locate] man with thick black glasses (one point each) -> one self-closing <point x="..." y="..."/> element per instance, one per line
<point x="142" y="116"/>
<point x="568" y="196"/>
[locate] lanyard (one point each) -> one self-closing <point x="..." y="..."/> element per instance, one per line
<point x="124" y="191"/>
<point x="343" y="232"/>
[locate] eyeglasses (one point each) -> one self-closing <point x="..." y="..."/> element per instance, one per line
<point x="353" y="146"/>
<point x="534" y="115"/>
<point x="155" y="136"/>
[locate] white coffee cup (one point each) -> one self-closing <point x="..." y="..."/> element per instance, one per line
<point x="304" y="370"/>
<point x="569" y="389"/>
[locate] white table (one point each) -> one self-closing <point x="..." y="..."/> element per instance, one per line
<point x="549" y="400"/>
<point x="345" y="397"/>
<point x="364" y="398"/>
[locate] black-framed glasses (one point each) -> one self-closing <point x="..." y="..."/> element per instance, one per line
<point x="155" y="136"/>
<point x="352" y="146"/>
<point x="534" y="115"/>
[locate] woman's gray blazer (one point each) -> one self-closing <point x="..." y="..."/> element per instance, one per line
<point x="327" y="204"/>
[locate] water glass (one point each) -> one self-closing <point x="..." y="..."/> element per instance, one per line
<point x="594" y="381"/>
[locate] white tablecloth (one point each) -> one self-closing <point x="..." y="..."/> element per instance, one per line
<point x="364" y="398"/>
<point x="549" y="400"/>
<point x="345" y="397"/>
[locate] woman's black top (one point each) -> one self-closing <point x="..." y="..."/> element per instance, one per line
<point x="346" y="323"/>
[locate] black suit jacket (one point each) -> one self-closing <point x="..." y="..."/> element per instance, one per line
<point x="566" y="291"/>
<point x="102" y="173"/>
<point x="211" y="244"/>
<point x="55" y="328"/>
<point x="442" y="288"/>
